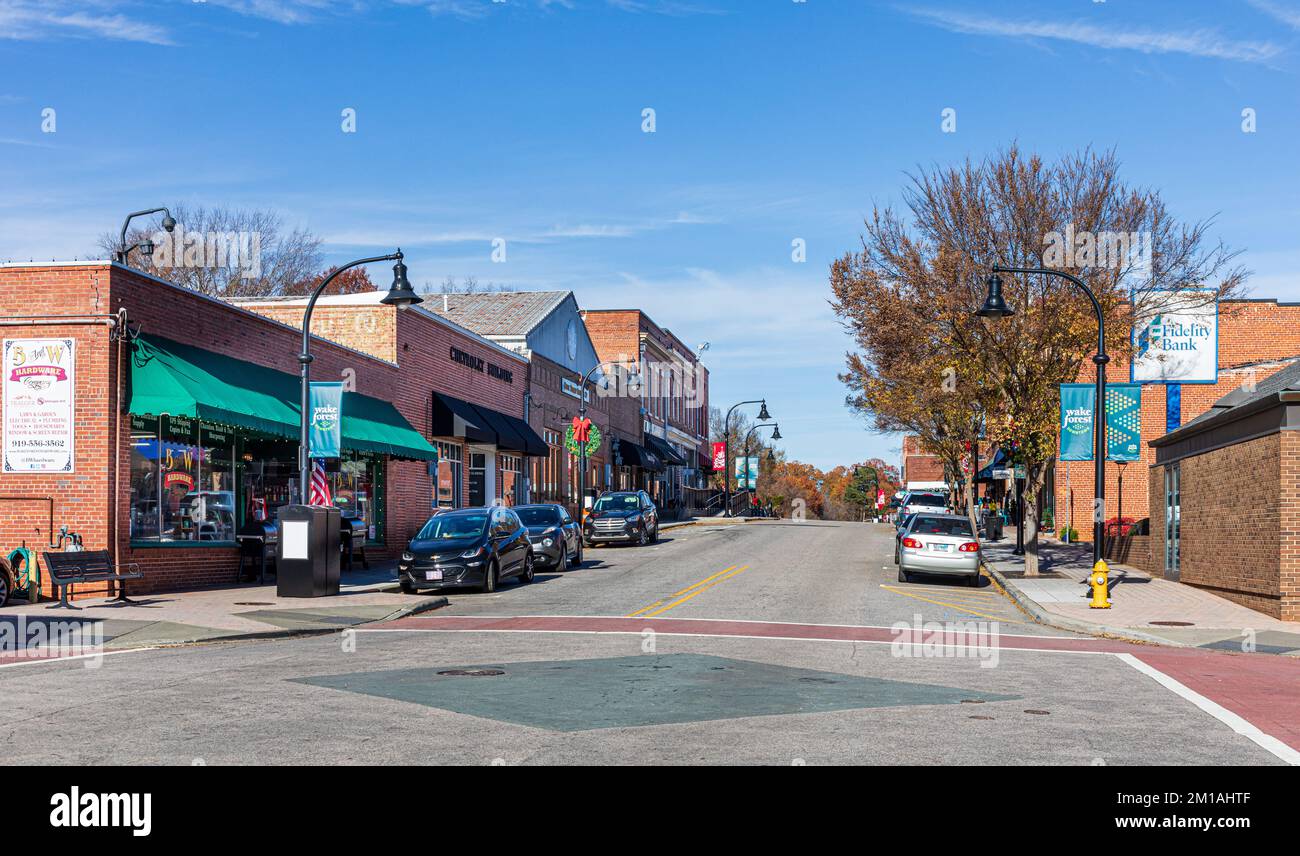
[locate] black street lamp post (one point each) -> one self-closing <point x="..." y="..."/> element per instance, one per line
<point x="996" y="307"/>
<point x="776" y="435"/>
<point x="582" y="447"/>
<point x="763" y="416"/>
<point x="400" y="294"/>
<point x="145" y="246"/>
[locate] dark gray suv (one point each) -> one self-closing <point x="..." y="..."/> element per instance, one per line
<point x="625" y="515"/>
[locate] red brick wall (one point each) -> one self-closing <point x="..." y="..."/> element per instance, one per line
<point x="1249" y="332"/>
<point x="919" y="465"/>
<point x="81" y="498"/>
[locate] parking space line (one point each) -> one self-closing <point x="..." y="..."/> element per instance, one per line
<point x="955" y="606"/>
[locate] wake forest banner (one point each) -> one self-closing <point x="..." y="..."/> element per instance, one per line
<point x="1123" y="421"/>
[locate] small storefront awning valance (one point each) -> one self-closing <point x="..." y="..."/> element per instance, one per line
<point x="629" y="454"/>
<point x="181" y="380"/>
<point x="999" y="461"/>
<point x="474" y="423"/>
<point x="664" y="450"/>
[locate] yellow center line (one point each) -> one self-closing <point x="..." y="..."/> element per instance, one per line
<point x="950" y="605"/>
<point x="699" y="590"/>
<point x="683" y="591"/>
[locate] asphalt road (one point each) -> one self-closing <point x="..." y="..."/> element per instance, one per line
<point x="765" y="643"/>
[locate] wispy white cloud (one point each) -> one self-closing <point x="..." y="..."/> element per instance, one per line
<point x="25" y="20"/>
<point x="1289" y="15"/>
<point x="1202" y="43"/>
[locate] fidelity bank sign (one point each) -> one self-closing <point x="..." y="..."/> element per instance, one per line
<point x="1177" y="340"/>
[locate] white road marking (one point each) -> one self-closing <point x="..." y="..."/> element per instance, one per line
<point x="36" y="661"/>
<point x="1243" y="727"/>
<point x="705" y="636"/>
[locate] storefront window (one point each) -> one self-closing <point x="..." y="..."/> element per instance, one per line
<point x="356" y="491"/>
<point x="145" y="483"/>
<point x="449" y="475"/>
<point x="213" y="505"/>
<point x="511" y="483"/>
<point x="182" y="481"/>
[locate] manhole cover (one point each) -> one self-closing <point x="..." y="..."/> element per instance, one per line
<point x="1172" y="623"/>
<point x="253" y="603"/>
<point x="472" y="673"/>
<point x="1039" y="712"/>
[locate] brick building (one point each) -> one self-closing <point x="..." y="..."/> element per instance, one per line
<point x="1226" y="491"/>
<point x="179" y="424"/>
<point x="547" y="329"/>
<point x="465" y="392"/>
<point x="1256" y="339"/>
<point x="674" y="395"/>
<point x="919" y="468"/>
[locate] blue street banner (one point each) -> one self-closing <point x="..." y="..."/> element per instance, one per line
<point x="1123" y="422"/>
<point x="1077" y="410"/>
<point x="325" y="409"/>
<point x="746" y="473"/>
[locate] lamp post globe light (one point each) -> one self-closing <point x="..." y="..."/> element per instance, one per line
<point x="763" y="416"/>
<point x="400" y="294"/>
<point x="995" y="307"/>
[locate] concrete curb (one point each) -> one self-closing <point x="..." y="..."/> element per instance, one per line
<point x="1042" y="616"/>
<point x="424" y="605"/>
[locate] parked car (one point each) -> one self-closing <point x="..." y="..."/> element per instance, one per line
<point x="927" y="502"/>
<point x="624" y="515"/>
<point x="939" y="544"/>
<point x="555" y="536"/>
<point x="6" y="581"/>
<point x="903" y="523"/>
<point x="467" y="547"/>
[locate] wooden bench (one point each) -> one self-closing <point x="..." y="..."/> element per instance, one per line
<point x="88" y="566"/>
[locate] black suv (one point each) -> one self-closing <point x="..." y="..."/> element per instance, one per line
<point x="624" y="515"/>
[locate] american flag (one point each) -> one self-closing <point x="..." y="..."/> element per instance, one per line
<point x="320" y="484"/>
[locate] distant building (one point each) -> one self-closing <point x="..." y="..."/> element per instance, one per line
<point x="920" y="470"/>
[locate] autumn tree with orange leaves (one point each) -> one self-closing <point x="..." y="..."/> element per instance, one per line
<point x="924" y="363"/>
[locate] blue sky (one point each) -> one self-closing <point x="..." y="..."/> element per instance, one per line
<point x="774" y="121"/>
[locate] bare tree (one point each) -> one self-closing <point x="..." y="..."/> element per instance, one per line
<point x="226" y="252"/>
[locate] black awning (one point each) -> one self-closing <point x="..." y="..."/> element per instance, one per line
<point x="453" y="417"/>
<point x="533" y="444"/>
<point x="513" y="435"/>
<point x="664" y="450"/>
<point x="629" y="454"/>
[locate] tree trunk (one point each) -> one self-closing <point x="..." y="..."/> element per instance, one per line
<point x="1033" y="488"/>
<point x="970" y="506"/>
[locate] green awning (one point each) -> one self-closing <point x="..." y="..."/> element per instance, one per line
<point x="182" y="380"/>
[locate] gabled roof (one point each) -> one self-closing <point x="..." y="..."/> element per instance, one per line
<point x="497" y="313"/>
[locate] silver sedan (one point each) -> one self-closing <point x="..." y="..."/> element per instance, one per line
<point x="939" y="544"/>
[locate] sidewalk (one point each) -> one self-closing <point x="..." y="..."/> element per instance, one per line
<point x="1141" y="604"/>
<point x="245" y="611"/>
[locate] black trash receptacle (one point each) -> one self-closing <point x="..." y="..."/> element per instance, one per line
<point x="307" y="557"/>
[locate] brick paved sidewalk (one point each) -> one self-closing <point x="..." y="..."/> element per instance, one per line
<point x="1139" y="603"/>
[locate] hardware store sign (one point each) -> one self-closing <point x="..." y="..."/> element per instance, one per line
<point x="38" y="405"/>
